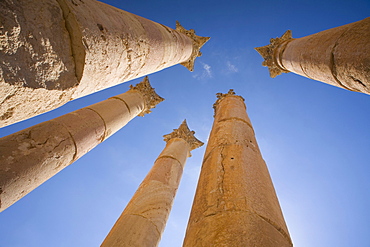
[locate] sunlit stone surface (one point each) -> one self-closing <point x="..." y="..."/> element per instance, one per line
<point x="235" y="202"/>
<point x="31" y="156"/>
<point x="144" y="219"/>
<point x="339" y="56"/>
<point x="53" y="51"/>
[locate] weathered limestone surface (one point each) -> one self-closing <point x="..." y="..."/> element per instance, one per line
<point x="235" y="202"/>
<point x="143" y="220"/>
<point x="53" y="51"/>
<point x="339" y="56"/>
<point x="30" y="157"/>
<point x="37" y="71"/>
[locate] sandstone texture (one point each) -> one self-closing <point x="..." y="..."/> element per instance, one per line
<point x="339" y="56"/>
<point x="53" y="51"/>
<point x="235" y="202"/>
<point x="142" y="222"/>
<point x="30" y="157"/>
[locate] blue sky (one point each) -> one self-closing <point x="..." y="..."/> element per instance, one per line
<point x="314" y="137"/>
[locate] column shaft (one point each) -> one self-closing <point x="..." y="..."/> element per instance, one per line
<point x="31" y="156"/>
<point x="339" y="56"/>
<point x="144" y="218"/>
<point x="85" y="46"/>
<point x="235" y="202"/>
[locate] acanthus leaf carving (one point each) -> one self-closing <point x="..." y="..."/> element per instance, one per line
<point x="198" y="42"/>
<point x="186" y="134"/>
<point x="151" y="98"/>
<point x="269" y="56"/>
<point x="221" y="96"/>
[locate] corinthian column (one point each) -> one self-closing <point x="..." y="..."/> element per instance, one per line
<point x="53" y="51"/>
<point x="144" y="218"/>
<point x="339" y="56"/>
<point x="235" y="202"/>
<point x="31" y="156"/>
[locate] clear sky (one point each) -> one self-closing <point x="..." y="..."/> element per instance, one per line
<point x="315" y="138"/>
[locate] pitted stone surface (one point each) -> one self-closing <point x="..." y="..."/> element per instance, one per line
<point x="144" y="218"/>
<point x="84" y="46"/>
<point x="30" y="157"/>
<point x="337" y="56"/>
<point x="235" y="202"/>
<point x="37" y="71"/>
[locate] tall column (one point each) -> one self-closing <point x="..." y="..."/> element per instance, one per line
<point x="31" y="156"/>
<point x="57" y="50"/>
<point x="235" y="202"/>
<point x="144" y="218"/>
<point x="339" y="56"/>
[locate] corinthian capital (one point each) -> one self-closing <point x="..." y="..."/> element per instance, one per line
<point x="268" y="53"/>
<point x="198" y="42"/>
<point x="221" y="96"/>
<point x="151" y="98"/>
<point x="186" y="134"/>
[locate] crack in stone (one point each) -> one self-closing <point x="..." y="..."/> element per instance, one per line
<point x="8" y="97"/>
<point x="270" y="222"/>
<point x="57" y="157"/>
<point x="146" y="54"/>
<point x="43" y="143"/>
<point x="222" y="175"/>
<point x="127" y="72"/>
<point x="34" y="144"/>
<point x="31" y="142"/>
<point x="156" y="227"/>
<point x="357" y="80"/>
<point x="244" y="143"/>
<point x="152" y="208"/>
<point x="211" y="214"/>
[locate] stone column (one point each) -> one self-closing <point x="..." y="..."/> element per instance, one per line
<point x="31" y="156"/>
<point x="339" y="56"/>
<point x="53" y="51"/>
<point x="235" y="202"/>
<point x="144" y="218"/>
